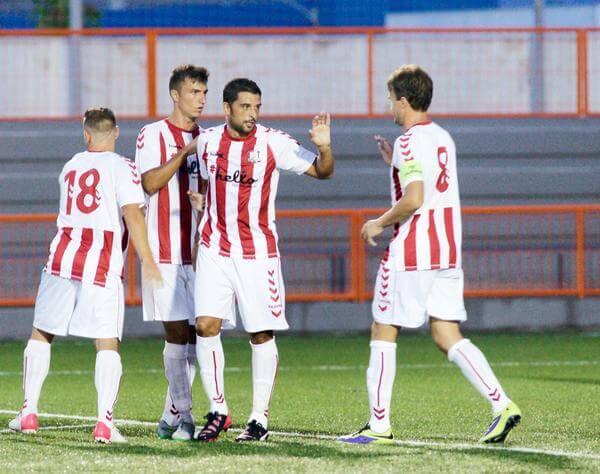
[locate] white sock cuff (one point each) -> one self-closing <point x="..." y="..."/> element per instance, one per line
<point x="108" y="354"/>
<point x="209" y="342"/>
<point x="175" y="351"/>
<point x="265" y="346"/>
<point x="455" y="347"/>
<point x="383" y="344"/>
<point x="39" y="347"/>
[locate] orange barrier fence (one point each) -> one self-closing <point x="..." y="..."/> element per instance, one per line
<point x="507" y="72"/>
<point x="507" y="252"/>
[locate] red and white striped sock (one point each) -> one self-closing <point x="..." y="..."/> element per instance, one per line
<point x="265" y="361"/>
<point x="36" y="363"/>
<point x="107" y="378"/>
<point x="212" y="367"/>
<point x="380" y="382"/>
<point x="177" y="373"/>
<point x="477" y="370"/>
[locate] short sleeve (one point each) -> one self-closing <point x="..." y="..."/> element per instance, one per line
<point x="290" y="155"/>
<point x="147" y="151"/>
<point x="128" y="183"/>
<point x="201" y="154"/>
<point x="407" y="159"/>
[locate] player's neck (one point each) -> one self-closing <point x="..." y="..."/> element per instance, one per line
<point x="101" y="147"/>
<point x="181" y="121"/>
<point x="414" y="117"/>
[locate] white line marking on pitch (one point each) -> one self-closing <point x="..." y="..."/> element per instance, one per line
<point x="548" y="363"/>
<point x="58" y="427"/>
<point x="408" y="442"/>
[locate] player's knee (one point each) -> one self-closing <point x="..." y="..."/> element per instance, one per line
<point x="207" y="327"/>
<point x="442" y="339"/>
<point x="176" y="332"/>
<point x="261" y="337"/>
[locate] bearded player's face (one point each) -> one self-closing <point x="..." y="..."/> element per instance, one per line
<point x="243" y="113"/>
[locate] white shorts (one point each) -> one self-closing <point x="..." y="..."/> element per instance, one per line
<point x="175" y="300"/>
<point x="68" y="307"/>
<point x="256" y="286"/>
<point x="407" y="299"/>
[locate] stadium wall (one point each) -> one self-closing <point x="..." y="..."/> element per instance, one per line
<point x="501" y="162"/>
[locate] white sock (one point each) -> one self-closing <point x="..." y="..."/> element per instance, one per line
<point x="177" y="373"/>
<point x="212" y="366"/>
<point x="477" y="370"/>
<point x="191" y="359"/>
<point x="36" y="363"/>
<point x="265" y="361"/>
<point x="380" y="382"/>
<point x="170" y="412"/>
<point x="108" y="379"/>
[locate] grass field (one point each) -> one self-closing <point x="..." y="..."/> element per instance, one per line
<point x="320" y="393"/>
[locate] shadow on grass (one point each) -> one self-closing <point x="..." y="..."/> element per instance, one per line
<point x="326" y="450"/>
<point x="579" y="380"/>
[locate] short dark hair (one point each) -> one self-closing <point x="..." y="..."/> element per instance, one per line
<point x="413" y="83"/>
<point x="187" y="71"/>
<point x="235" y="86"/>
<point x="99" y="119"/>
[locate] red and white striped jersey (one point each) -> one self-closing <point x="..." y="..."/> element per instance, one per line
<point x="170" y="218"/>
<point x="431" y="239"/>
<point x="242" y="175"/>
<point x="91" y="237"/>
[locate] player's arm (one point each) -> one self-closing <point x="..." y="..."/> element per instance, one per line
<point x="136" y="225"/>
<point x="155" y="179"/>
<point x="411" y="172"/>
<point x="320" y="134"/>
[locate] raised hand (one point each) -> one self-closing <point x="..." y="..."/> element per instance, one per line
<point x="385" y="149"/>
<point x="320" y="133"/>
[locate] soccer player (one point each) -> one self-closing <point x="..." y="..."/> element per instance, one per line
<point x="81" y="292"/>
<point x="238" y="262"/>
<point x="172" y="223"/>
<point x="420" y="277"/>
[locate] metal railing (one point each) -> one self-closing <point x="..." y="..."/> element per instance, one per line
<point x="536" y="251"/>
<point x="506" y="72"/>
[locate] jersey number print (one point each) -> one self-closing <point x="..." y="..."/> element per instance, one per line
<point x="87" y="200"/>
<point x="442" y="181"/>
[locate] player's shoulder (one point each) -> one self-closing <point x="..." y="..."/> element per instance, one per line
<point x="207" y="133"/>
<point x="274" y="135"/>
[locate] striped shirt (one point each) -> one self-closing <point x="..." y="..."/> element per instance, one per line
<point x="431" y="238"/>
<point x="170" y="219"/>
<point x="91" y="237"/>
<point x="242" y="175"/>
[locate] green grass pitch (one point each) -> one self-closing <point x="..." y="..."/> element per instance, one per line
<point x="437" y="416"/>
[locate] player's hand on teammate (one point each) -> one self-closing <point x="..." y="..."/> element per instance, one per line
<point x="385" y="148"/>
<point x="151" y="273"/>
<point x="197" y="200"/>
<point x="320" y="133"/>
<point x="370" y="230"/>
<point x="187" y="150"/>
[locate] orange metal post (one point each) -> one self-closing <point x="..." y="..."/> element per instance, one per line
<point x="151" y="71"/>
<point x="370" y="72"/>
<point x="130" y="275"/>
<point x="580" y="255"/>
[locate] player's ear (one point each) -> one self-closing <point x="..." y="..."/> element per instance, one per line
<point x="117" y="131"/>
<point x="87" y="136"/>
<point x="174" y="95"/>
<point x="226" y="109"/>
